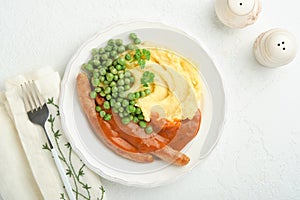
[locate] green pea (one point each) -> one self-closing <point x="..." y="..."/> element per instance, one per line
<point x="121" y="109"/>
<point x="121" y="89"/>
<point x="143" y="124"/>
<point x="115" y="110"/>
<point x="102" y="113"/>
<point x="108" y="97"/>
<point x="127" y="74"/>
<point x="119" y="99"/>
<point x="121" y="49"/>
<point x="109" y="77"/>
<point x="132" y="36"/>
<point x="137" y="95"/>
<point x="93" y="94"/>
<point x="95" y="51"/>
<point x="102" y="94"/>
<point x="114" y="89"/>
<point x="112" y="102"/>
<point x="90" y="62"/>
<point x="120" y="82"/>
<point x="142" y="94"/>
<point x="106" y="82"/>
<point x="96" y="62"/>
<point x="115" y="57"/>
<point x="132" y="79"/>
<point x="119" y="42"/>
<point x="131" y="117"/>
<point x="115" y="63"/>
<point x="130" y="109"/>
<point x="95" y="82"/>
<point x="135" y="120"/>
<point x="115" y="94"/>
<point x="127" y="87"/>
<point x="121" y="61"/>
<point x="138" y="111"/>
<point x="113" y="53"/>
<point x="101" y="51"/>
<point x="127" y="81"/>
<point x="147" y="91"/>
<point x="106" y="105"/>
<point x="111" y="68"/>
<point x="126" y="113"/>
<point x="117" y="104"/>
<point x="108" y="62"/>
<point x="137" y="41"/>
<point x="108" y="48"/>
<point x="118" y="67"/>
<point x="102" y="78"/>
<point x="121" y="75"/>
<point x="125" y="103"/>
<point x="112" y="84"/>
<point x="114" y="71"/>
<point x="132" y="102"/>
<point x="98" y="108"/>
<point x="121" y="115"/>
<point x="107" y="117"/>
<point x="100" y="66"/>
<point x="128" y="56"/>
<point x="115" y="48"/>
<point x="96" y="75"/>
<point x="129" y="47"/>
<point x="116" y="77"/>
<point x="111" y="42"/>
<point x="130" y="96"/>
<point x="107" y="90"/>
<point x="149" y="129"/>
<point x="141" y="117"/>
<point x="102" y="71"/>
<point x="89" y="67"/>
<point x="123" y="67"/>
<point x="125" y="120"/>
<point x="95" y="72"/>
<point x="104" y="57"/>
<point x="96" y="57"/>
<point x="122" y="94"/>
<point x="97" y="89"/>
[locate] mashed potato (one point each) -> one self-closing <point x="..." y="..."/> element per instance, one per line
<point x="176" y="92"/>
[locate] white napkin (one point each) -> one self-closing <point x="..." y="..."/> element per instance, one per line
<point x="27" y="171"/>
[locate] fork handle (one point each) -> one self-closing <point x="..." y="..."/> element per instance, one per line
<point x="63" y="175"/>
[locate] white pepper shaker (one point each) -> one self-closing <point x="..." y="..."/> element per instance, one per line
<point x="275" y="48"/>
<point x="237" y="13"/>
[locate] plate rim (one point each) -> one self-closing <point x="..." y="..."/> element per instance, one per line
<point x="150" y="24"/>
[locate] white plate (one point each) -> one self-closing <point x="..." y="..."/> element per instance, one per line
<point x="101" y="159"/>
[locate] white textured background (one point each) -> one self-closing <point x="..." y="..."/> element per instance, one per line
<point x="258" y="156"/>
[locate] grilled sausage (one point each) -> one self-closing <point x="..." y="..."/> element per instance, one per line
<point x="172" y="156"/>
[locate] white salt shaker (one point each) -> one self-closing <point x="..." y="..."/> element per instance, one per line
<point x="275" y="48"/>
<point x="237" y="13"/>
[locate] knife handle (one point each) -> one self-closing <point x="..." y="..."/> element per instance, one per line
<point x="63" y="175"/>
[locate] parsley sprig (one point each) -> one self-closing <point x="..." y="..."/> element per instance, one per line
<point x="141" y="55"/>
<point x="148" y="77"/>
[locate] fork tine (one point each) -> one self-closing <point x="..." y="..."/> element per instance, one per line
<point x="33" y="92"/>
<point x="25" y="99"/>
<point x="30" y="97"/>
<point x="38" y="94"/>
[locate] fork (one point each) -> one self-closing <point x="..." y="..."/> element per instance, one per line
<point x="38" y="113"/>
